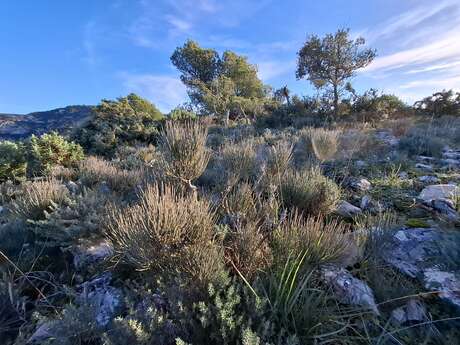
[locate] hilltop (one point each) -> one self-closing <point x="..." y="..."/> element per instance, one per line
<point x="16" y="126"/>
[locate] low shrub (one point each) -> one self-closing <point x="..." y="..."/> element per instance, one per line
<point x="93" y="171"/>
<point x="422" y="142"/>
<point x="13" y="163"/>
<point x="317" y="241"/>
<point x="239" y="161"/>
<point x="309" y="191"/>
<point x="38" y="198"/>
<point x="183" y="145"/>
<point x="318" y="142"/>
<point x="50" y="150"/>
<point x="167" y="232"/>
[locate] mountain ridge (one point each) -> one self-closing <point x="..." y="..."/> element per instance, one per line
<point x="17" y="126"/>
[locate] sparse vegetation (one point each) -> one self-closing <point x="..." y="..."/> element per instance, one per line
<point x="248" y="216"/>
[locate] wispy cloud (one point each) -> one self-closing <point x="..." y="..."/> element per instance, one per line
<point x="420" y="50"/>
<point x="166" y="92"/>
<point x="89" y="46"/>
<point x="268" y="70"/>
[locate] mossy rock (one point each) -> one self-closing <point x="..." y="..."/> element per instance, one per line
<point x="417" y="223"/>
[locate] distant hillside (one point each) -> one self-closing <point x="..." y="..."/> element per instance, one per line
<point x="14" y="126"/>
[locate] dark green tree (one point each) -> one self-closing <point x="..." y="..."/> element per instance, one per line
<point x="332" y="60"/>
<point x="220" y="85"/>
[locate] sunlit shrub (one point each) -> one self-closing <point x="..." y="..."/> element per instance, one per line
<point x="13" y="162"/>
<point x="50" y="150"/>
<point x="38" y="197"/>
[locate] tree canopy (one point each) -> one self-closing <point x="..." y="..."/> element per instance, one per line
<point x="332" y="60"/>
<point x="221" y="85"/>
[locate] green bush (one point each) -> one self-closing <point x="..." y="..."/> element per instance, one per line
<point x="50" y="150"/>
<point x="126" y="121"/>
<point x="310" y="192"/>
<point x="440" y="103"/>
<point x="13" y="162"/>
<point x="182" y="114"/>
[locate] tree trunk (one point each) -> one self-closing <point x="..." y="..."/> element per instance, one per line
<point x="336" y="101"/>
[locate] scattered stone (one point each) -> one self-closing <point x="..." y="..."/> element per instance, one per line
<point x="419" y="253"/>
<point x="451" y="163"/>
<point x="44" y="332"/>
<point x="72" y="187"/>
<point x="446" y="208"/>
<point x="1" y="209"/>
<point x="440" y="191"/>
<point x="451" y="154"/>
<point x="348" y="289"/>
<point x="361" y="164"/>
<point x="104" y="188"/>
<point x="428" y="179"/>
<point x="426" y="159"/>
<point x="105" y="298"/>
<point x="347" y="210"/>
<point x="403" y="175"/>
<point x="425" y="167"/>
<point x="387" y="137"/>
<point x="359" y="184"/>
<point x="87" y="253"/>
<point x="413" y="311"/>
<point x="366" y="202"/>
<point x="447" y="283"/>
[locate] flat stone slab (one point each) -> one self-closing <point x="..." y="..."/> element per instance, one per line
<point x="439" y="191"/>
<point x="424" y="254"/>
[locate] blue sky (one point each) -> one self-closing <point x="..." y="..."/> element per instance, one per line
<point x="56" y="53"/>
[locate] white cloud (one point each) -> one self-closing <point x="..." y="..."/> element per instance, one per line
<point x="166" y="92"/>
<point x="271" y="69"/>
<point x="178" y="24"/>
<point x="452" y="82"/>
<point x="443" y="48"/>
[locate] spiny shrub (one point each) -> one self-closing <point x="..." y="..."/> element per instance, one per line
<point x="318" y="241"/>
<point x="309" y="191"/>
<point x="39" y="197"/>
<point x="167" y="232"/>
<point x="94" y="170"/>
<point x="13" y="161"/>
<point x="183" y="145"/>
<point x="50" y="150"/>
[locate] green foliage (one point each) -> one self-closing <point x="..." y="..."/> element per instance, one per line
<point x="309" y="191"/>
<point x="13" y="162"/>
<point x="182" y="114"/>
<point x="440" y="103"/>
<point x="332" y="60"/>
<point x="51" y="150"/>
<point x="225" y="86"/>
<point x="370" y="105"/>
<point x="128" y="120"/>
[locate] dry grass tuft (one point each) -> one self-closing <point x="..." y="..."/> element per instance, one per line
<point x="94" y="170"/>
<point x="39" y="197"/>
<point x="239" y="161"/>
<point x="321" y="242"/>
<point x="166" y="232"/>
<point x="322" y="142"/>
<point x="183" y="145"/>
